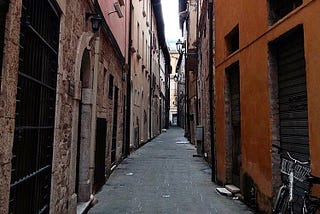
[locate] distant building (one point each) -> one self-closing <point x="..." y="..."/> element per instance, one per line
<point x="150" y="65"/>
<point x="173" y="117"/>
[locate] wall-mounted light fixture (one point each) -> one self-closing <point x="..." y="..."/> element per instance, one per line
<point x="121" y="2"/>
<point x="180" y="46"/>
<point x="179" y="79"/>
<point x="117" y="9"/>
<point x="96" y="20"/>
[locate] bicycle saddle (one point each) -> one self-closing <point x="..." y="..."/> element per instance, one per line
<point x="313" y="179"/>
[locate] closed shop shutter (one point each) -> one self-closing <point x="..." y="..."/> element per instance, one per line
<point x="293" y="103"/>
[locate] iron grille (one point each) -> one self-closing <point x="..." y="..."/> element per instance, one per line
<point x="35" y="108"/>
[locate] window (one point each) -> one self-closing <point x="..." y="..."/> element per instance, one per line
<point x="138" y="36"/>
<point x="105" y="82"/>
<point x="146" y="55"/>
<point x="232" y="40"/>
<point x="142" y="53"/>
<point x="144" y="8"/>
<point x="110" y="86"/>
<point x="279" y="9"/>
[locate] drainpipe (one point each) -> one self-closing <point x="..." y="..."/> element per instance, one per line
<point x="211" y="89"/>
<point x="197" y="73"/>
<point x="128" y="113"/>
<point x="151" y="79"/>
<point x="160" y="91"/>
<point x="187" y="101"/>
<point x="94" y="107"/>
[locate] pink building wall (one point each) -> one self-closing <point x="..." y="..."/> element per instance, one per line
<point x="118" y="26"/>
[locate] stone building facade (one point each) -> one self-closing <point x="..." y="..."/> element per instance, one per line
<point x="149" y="72"/>
<point x="195" y="28"/>
<point x="63" y="97"/>
<point x="173" y="117"/>
<point x="264" y="92"/>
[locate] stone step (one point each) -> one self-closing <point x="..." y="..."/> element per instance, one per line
<point x="224" y="191"/>
<point x="232" y="188"/>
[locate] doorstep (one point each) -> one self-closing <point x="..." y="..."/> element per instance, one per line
<point x="232" y="188"/>
<point x="83" y="207"/>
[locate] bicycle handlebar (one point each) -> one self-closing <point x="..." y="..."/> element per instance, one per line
<point x="297" y="161"/>
<point x="293" y="159"/>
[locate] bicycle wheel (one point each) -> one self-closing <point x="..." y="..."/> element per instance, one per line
<point x="281" y="204"/>
<point x="310" y="209"/>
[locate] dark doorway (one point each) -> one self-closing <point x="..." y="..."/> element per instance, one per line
<point x="100" y="154"/>
<point x="115" y="127"/>
<point x="235" y="127"/>
<point x="35" y="108"/>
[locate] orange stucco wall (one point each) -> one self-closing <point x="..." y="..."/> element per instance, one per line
<point x="254" y="34"/>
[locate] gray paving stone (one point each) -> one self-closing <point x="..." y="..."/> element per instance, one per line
<point x="165" y="178"/>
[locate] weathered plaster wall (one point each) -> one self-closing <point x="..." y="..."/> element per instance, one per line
<point x="256" y="132"/>
<point x="7" y="98"/>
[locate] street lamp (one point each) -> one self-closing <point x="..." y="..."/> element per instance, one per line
<point x="96" y="20"/>
<point x="180" y="46"/>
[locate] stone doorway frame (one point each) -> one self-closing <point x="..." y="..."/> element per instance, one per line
<point x="81" y="97"/>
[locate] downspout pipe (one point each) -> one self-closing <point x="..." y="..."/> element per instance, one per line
<point x="128" y="112"/>
<point x="211" y="91"/>
<point x="151" y="79"/>
<point x="160" y="92"/>
<point x="197" y="73"/>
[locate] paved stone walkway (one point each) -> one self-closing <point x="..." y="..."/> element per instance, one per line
<point x="164" y="177"/>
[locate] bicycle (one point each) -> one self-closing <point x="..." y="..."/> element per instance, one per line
<point x="311" y="203"/>
<point x="295" y="169"/>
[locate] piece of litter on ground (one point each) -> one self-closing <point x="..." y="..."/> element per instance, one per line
<point x="165" y="196"/>
<point x="235" y="198"/>
<point x="181" y="142"/>
<point x="224" y="191"/>
<point x="130" y="173"/>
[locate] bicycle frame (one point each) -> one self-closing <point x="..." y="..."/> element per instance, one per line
<point x="284" y="202"/>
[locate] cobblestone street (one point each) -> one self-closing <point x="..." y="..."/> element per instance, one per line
<point x="164" y="177"/>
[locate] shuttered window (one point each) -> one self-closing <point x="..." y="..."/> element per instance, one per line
<point x="279" y="9"/>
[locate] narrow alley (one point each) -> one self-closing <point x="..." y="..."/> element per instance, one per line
<point x="159" y="106"/>
<point x="164" y="177"/>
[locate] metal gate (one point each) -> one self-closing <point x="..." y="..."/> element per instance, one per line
<point x="115" y="127"/>
<point x="35" y="108"/>
<point x="100" y="154"/>
<point x="234" y="86"/>
<point x="293" y="105"/>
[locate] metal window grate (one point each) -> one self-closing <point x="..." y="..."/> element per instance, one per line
<point x="35" y="108"/>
